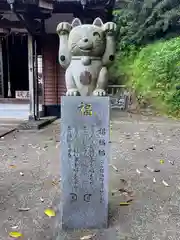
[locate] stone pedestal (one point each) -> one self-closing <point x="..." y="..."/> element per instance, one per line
<point x="84" y="162"/>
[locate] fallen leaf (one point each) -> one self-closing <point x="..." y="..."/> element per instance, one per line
<point x="14" y="227"/>
<point x="129" y="200"/>
<point x="161" y="161"/>
<point x="55" y="182"/>
<point x="50" y="213"/>
<point x="150" y="169"/>
<point x="114" y="167"/>
<point x="12" y="166"/>
<point x="15" y="234"/>
<point x="124" y="203"/>
<point x="137" y="170"/>
<point x="134" y="147"/>
<point x="165" y="183"/>
<point x="24" y="209"/>
<point x="171" y="162"/>
<point x="87" y="237"/>
<point x="151" y="148"/>
<point x="123" y="181"/>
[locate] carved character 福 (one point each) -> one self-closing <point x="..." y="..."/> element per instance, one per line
<point x="86" y="109"/>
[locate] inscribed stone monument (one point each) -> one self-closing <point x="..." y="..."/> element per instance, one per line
<point x="84" y="161"/>
<point x="85" y="50"/>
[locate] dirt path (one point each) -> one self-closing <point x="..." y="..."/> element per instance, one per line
<point x="29" y="178"/>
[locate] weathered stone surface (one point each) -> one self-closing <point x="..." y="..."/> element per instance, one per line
<point x="84" y="161"/>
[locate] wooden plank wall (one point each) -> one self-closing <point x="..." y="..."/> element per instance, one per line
<point x="53" y="74"/>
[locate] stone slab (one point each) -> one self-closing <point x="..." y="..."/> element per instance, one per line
<point x="84" y="162"/>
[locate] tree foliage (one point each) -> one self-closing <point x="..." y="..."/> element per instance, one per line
<point x="143" y="21"/>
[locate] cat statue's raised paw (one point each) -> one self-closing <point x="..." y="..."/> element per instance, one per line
<point x="85" y="50"/>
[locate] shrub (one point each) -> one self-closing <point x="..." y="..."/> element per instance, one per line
<point x="121" y="69"/>
<point x="153" y="70"/>
<point x="155" y="74"/>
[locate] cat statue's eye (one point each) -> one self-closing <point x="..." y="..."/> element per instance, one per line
<point x="96" y="34"/>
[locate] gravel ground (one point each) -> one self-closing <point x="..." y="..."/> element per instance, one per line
<point x="29" y="178"/>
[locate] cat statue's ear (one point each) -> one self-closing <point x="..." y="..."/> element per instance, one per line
<point x="98" y="22"/>
<point x="76" y="22"/>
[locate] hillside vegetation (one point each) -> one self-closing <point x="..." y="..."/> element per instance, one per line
<point x="148" y="52"/>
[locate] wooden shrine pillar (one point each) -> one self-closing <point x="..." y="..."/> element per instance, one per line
<point x="33" y="79"/>
<point x="1" y="72"/>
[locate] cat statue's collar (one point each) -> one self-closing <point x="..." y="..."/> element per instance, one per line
<point x="86" y="60"/>
<point x="91" y="58"/>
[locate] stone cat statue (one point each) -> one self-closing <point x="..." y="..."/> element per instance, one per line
<point x="85" y="50"/>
